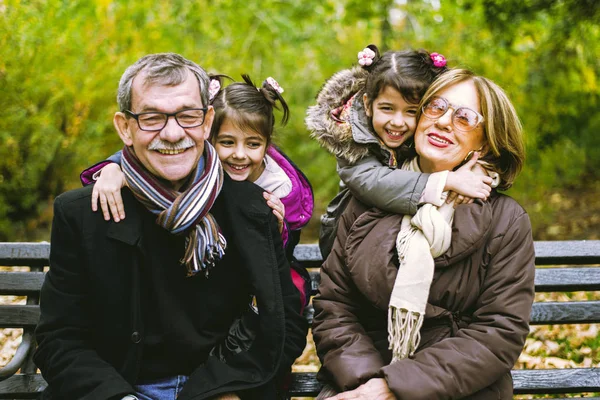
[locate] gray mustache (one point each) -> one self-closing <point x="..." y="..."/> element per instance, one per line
<point x="159" y="144"/>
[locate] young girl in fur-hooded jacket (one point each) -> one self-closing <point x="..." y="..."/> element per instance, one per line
<point x="365" y="116"/>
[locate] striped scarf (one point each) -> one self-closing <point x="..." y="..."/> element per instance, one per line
<point x="184" y="212"/>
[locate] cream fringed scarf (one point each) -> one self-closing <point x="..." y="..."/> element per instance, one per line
<point x="421" y="238"/>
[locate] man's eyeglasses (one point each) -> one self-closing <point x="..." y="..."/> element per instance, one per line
<point x="463" y="118"/>
<point x="156" y="121"/>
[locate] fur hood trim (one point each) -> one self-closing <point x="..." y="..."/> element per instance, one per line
<point x="335" y="136"/>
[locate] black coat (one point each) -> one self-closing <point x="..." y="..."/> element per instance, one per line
<point x="91" y="330"/>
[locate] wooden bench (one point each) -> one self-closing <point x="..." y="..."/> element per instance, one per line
<point x="579" y="271"/>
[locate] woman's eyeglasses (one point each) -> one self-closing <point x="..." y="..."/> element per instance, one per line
<point x="463" y="118"/>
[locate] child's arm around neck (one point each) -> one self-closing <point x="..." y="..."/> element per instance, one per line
<point x="377" y="185"/>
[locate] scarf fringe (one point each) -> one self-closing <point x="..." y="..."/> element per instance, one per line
<point x="203" y="247"/>
<point x="404" y="332"/>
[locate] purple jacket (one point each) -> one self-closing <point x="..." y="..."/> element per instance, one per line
<point x="299" y="203"/>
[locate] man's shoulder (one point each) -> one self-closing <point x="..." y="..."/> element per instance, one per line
<point x="80" y="200"/>
<point x="75" y="196"/>
<point x="74" y="206"/>
<point x="239" y="189"/>
<point x="244" y="197"/>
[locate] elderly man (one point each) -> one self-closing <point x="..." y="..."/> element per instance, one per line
<point x="135" y="309"/>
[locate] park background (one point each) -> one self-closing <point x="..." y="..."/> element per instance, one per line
<point x="60" y="62"/>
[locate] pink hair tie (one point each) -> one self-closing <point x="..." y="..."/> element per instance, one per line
<point x="438" y="60"/>
<point x="213" y="88"/>
<point x="366" y="57"/>
<point x="274" y="84"/>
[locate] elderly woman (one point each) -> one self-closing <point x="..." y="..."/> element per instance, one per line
<point x="434" y="306"/>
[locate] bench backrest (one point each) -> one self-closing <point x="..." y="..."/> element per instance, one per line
<point x="575" y="268"/>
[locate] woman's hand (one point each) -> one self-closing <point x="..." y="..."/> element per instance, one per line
<point x="277" y="206"/>
<point x="108" y="190"/>
<point x="374" y="389"/>
<point x="469" y="182"/>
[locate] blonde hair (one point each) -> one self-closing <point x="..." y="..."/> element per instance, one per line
<point x="502" y="128"/>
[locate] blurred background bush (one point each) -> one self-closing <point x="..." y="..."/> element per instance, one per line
<point x="60" y="62"/>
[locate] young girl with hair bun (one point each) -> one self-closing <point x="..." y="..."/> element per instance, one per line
<point x="365" y="116"/>
<point x="242" y="133"/>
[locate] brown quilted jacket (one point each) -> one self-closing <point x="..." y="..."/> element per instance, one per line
<point x="477" y="316"/>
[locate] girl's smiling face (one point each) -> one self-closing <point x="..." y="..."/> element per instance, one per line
<point x="241" y="153"/>
<point x="392" y="117"/>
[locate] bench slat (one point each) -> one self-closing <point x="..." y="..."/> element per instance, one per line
<point x="567" y="252"/>
<point x="15" y="253"/>
<point x="21" y="386"/>
<point x="547" y="253"/>
<point x="18" y="315"/>
<point x="525" y="381"/>
<point x="541" y="381"/>
<point x="546" y="313"/>
<point x="567" y="279"/>
<point x="20" y="283"/>
<point x="309" y="255"/>
<point x="305" y="384"/>
<point x="577" y="252"/>
<point x="546" y="280"/>
<point x="571" y="312"/>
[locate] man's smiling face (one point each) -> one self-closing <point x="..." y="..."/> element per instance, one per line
<point x="173" y="152"/>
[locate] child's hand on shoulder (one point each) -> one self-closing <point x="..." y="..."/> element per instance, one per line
<point x="107" y="189"/>
<point x="469" y="182"/>
<point x="277" y="206"/>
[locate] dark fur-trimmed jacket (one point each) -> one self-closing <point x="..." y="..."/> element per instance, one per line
<point x="94" y="309"/>
<point x="365" y="166"/>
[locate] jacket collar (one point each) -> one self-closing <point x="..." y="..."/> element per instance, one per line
<point x="471" y="228"/>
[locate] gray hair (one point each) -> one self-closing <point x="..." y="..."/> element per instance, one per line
<point x="168" y="69"/>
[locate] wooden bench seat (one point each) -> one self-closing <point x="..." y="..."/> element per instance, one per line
<point x="579" y="270"/>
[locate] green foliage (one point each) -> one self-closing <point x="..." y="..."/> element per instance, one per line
<point x="60" y="62"/>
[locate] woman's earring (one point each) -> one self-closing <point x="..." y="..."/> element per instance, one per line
<point x="469" y="155"/>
